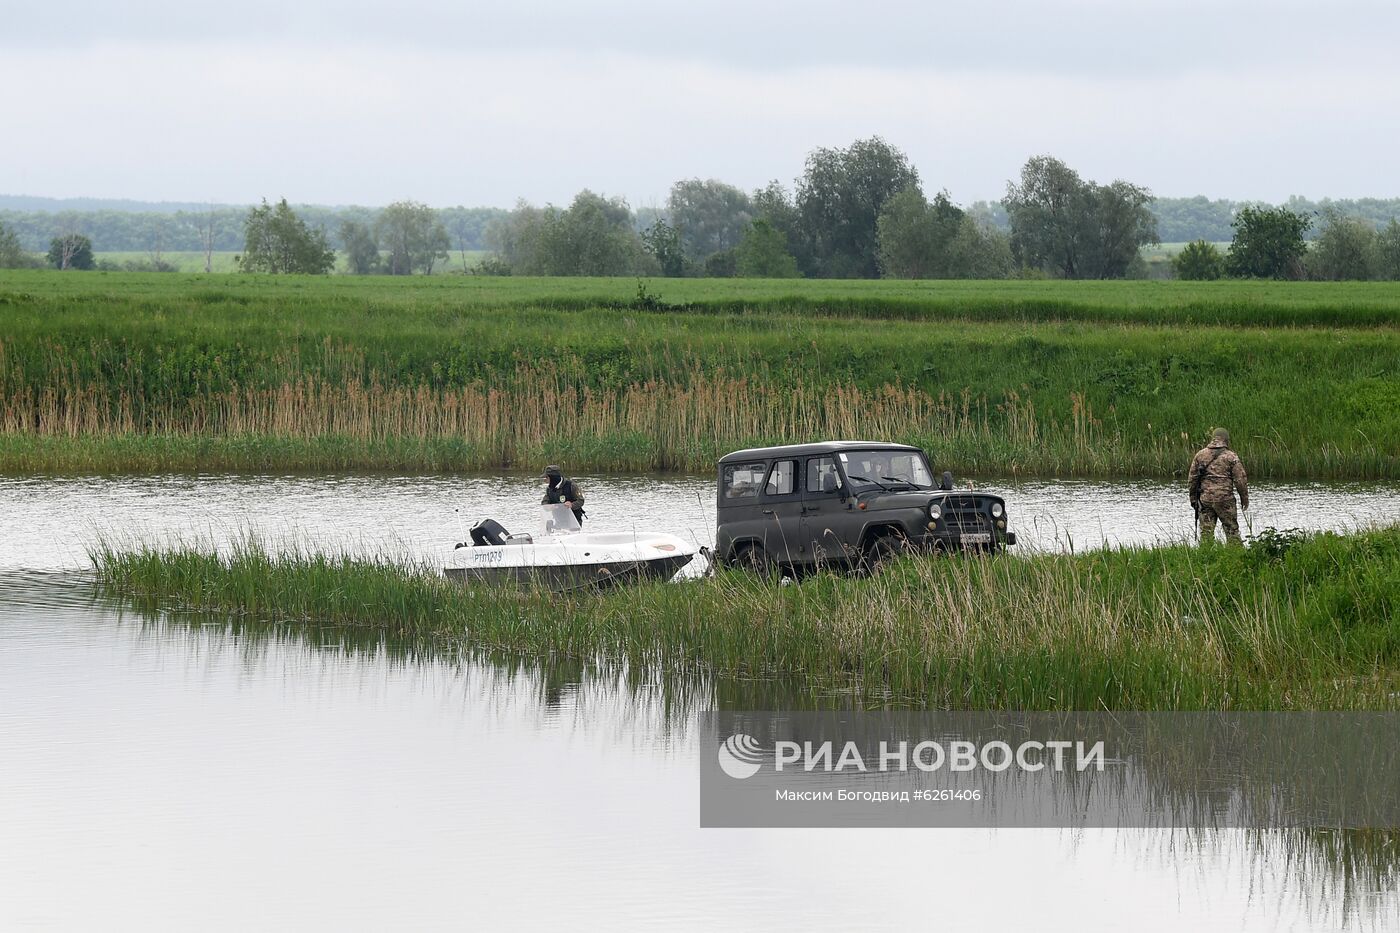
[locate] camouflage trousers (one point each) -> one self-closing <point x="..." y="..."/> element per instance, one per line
<point x="1225" y="512"/>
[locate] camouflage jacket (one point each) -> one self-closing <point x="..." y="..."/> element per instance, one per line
<point x="1223" y="476"/>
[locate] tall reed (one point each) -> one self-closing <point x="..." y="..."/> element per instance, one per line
<point x="537" y="414"/>
<point x="1314" y="627"/>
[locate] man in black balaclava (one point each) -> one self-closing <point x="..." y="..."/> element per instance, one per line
<point x="563" y="490"/>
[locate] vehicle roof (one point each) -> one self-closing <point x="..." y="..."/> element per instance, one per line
<point x="807" y="450"/>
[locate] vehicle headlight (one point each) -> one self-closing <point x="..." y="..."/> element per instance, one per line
<point x="934" y="512"/>
<point x="997" y="510"/>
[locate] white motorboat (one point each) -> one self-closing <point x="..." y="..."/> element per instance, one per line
<point x="562" y="555"/>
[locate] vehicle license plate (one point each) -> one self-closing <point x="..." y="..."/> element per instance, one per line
<point x="977" y="538"/>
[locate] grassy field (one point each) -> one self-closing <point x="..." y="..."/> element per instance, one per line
<point x="1226" y="303"/>
<point x="111" y="372"/>
<point x="1289" y="623"/>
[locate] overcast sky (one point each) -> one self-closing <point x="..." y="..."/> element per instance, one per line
<point x="469" y="103"/>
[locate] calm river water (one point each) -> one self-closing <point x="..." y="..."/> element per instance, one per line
<point x="50" y="522"/>
<point x="162" y="774"/>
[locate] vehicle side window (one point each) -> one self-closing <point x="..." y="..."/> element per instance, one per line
<point x="782" y="481"/>
<point x="822" y="476"/>
<point x="742" y="480"/>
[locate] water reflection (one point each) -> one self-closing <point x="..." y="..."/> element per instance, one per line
<point x="583" y="709"/>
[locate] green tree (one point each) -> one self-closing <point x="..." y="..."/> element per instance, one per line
<point x="1346" y="248"/>
<point x="1049" y="213"/>
<point x="663" y="242"/>
<point x="916" y="237"/>
<point x="762" y="253"/>
<point x="1121" y="224"/>
<point x="979" y="251"/>
<point x="12" y="254"/>
<point x="839" y="199"/>
<point x="1199" y="261"/>
<point x="361" y="247"/>
<point x="710" y="216"/>
<point x="1388" y="252"/>
<point x="723" y="265"/>
<point x="276" y="240"/>
<point x="70" y="251"/>
<point x="413" y="237"/>
<point x="1075" y="228"/>
<point x="773" y="204"/>
<point x="517" y="238"/>
<point x="1268" y="243"/>
<point x="594" y="236"/>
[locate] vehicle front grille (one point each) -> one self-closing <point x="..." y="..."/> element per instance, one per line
<point x="964" y="522"/>
<point x="967" y="514"/>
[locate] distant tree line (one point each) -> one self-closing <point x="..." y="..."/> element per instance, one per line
<point x="187" y="230"/>
<point x="1270" y="242"/>
<point x="854" y="212"/>
<point x="858" y="212"/>
<point x="1181" y="220"/>
<point x="144" y="226"/>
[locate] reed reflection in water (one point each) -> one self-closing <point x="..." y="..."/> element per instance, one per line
<point x="204" y="771"/>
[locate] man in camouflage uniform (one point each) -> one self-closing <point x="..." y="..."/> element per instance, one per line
<point x="1216" y="473"/>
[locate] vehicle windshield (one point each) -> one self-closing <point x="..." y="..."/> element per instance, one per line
<point x="891" y="469"/>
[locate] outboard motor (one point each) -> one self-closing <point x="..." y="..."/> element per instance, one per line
<point x="947" y="482"/>
<point x="488" y="533"/>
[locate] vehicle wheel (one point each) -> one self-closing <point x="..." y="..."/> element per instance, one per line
<point x="883" y="550"/>
<point x="752" y="558"/>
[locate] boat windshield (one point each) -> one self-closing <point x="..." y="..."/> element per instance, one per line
<point x="558" y="519"/>
<point x="890" y="469"/>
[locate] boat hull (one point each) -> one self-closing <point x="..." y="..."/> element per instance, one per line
<point x="571" y="576"/>
<point x="573" y="559"/>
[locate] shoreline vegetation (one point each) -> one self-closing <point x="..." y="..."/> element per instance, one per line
<point x="1292" y="622"/>
<point x="136" y="373"/>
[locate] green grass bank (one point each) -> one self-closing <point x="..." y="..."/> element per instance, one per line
<point x="1289" y="623"/>
<point x="111" y="372"/>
